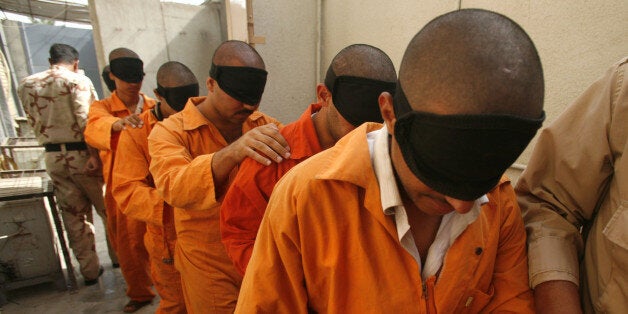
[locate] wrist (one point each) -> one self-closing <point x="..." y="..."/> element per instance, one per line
<point x="118" y="125"/>
<point x="557" y="296"/>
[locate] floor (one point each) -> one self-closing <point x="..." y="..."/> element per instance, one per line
<point x="108" y="296"/>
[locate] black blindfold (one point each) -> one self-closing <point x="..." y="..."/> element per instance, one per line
<point x="356" y="98"/>
<point x="245" y="84"/>
<point x="461" y="156"/>
<point x="130" y="70"/>
<point x="177" y="97"/>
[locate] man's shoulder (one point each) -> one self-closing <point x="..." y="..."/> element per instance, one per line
<point x="259" y="118"/>
<point x="105" y="102"/>
<point x="502" y="196"/>
<point x="69" y="76"/>
<point x="35" y="78"/>
<point x="135" y="137"/>
<point x="173" y="123"/>
<point x="308" y="172"/>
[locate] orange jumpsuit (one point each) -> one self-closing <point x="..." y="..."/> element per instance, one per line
<point x="326" y="246"/>
<point x="135" y="193"/>
<point x="244" y="205"/>
<point x="126" y="234"/>
<point x="182" y="148"/>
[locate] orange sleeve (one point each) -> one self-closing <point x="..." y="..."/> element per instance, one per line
<point x="98" y="129"/>
<point x="132" y="186"/>
<point x="183" y="181"/>
<point x="243" y="207"/>
<point x="510" y="276"/>
<point x="275" y="277"/>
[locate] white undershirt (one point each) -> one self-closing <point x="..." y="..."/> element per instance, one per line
<point x="140" y="105"/>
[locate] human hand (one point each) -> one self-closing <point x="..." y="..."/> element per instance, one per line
<point x="93" y="167"/>
<point x="133" y="121"/>
<point x="263" y="144"/>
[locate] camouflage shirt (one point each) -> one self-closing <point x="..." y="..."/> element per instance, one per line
<point x="56" y="102"/>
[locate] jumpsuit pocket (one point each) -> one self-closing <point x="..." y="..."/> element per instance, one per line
<point x="475" y="300"/>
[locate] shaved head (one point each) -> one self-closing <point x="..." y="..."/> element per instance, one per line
<point x="364" y="61"/>
<point x="174" y="74"/>
<point x="473" y="62"/>
<point x="237" y="53"/>
<point x="122" y="53"/>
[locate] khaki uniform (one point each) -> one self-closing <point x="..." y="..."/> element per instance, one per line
<point x="56" y="103"/>
<point x="578" y="178"/>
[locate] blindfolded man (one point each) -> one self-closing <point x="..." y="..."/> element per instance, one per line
<point x="414" y="217"/>
<point x="106" y="119"/>
<point x="195" y="154"/>
<point x="134" y="190"/>
<point x="356" y="77"/>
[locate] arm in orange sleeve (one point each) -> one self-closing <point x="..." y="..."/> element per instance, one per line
<point x="132" y="185"/>
<point x="274" y="282"/>
<point x="243" y="207"/>
<point x="510" y="275"/>
<point x="98" y="129"/>
<point x="182" y="181"/>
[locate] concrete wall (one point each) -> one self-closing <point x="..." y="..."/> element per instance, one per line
<point x="289" y="53"/>
<point x="577" y="40"/>
<point x="158" y="32"/>
<point x="16" y="49"/>
<point x="378" y="23"/>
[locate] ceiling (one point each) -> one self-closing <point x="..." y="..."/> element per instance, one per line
<point x="68" y="11"/>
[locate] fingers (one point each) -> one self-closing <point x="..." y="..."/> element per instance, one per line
<point x="257" y="157"/>
<point x="280" y="144"/>
<point x="265" y="144"/>
<point x="259" y="150"/>
<point x="134" y="121"/>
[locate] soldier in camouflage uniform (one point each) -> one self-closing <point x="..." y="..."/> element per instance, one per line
<point x="56" y="102"/>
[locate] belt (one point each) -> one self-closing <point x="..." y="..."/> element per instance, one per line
<point x="67" y="146"/>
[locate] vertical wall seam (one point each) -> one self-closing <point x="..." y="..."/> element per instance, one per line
<point x="165" y="31"/>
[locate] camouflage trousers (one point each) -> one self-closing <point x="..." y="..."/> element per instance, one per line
<point x="76" y="193"/>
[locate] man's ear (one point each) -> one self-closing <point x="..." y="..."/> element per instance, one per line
<point x="387" y="110"/>
<point x="211" y="84"/>
<point x="75" y="66"/>
<point x="157" y="95"/>
<point x="112" y="77"/>
<point x="322" y="94"/>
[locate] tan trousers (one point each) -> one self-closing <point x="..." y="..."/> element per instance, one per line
<point x="75" y="194"/>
